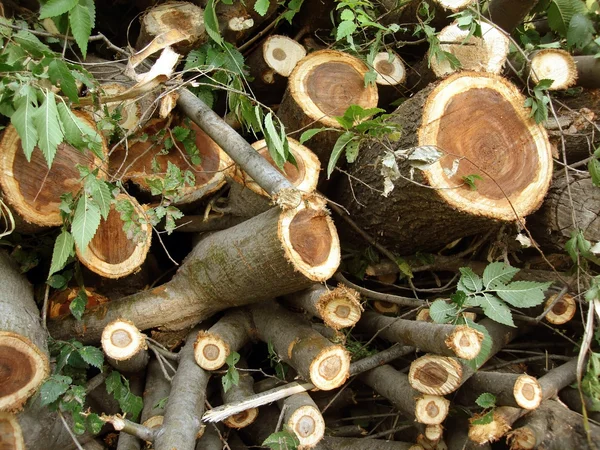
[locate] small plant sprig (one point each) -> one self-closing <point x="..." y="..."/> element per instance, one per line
<point x="232" y="376"/>
<point x="486" y="401"/>
<point x="539" y="101"/>
<point x="285" y="439"/>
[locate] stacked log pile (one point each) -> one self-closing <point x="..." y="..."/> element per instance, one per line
<point x="438" y="290"/>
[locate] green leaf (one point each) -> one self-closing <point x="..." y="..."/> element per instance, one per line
<point x="581" y="31"/>
<point x="85" y="222"/>
<point x="485" y="419"/>
<point x="231" y="378"/>
<point x="495" y="309"/>
<point x="310" y="133"/>
<point x="78" y="132"/>
<point x="56" y="281"/>
<point x="522" y="294"/>
<point x="54" y="8"/>
<point x="560" y="13"/>
<point x="469" y="281"/>
<point x="486" y="400"/>
<point x="78" y="304"/>
<point x="470" y="180"/>
<point x="60" y="74"/>
<point x="28" y="42"/>
<point x="54" y="387"/>
<point x="22" y="119"/>
<point x="261" y="7"/>
<point x="352" y="151"/>
<point x="92" y="355"/>
<point x="341" y="142"/>
<point x="347" y="14"/>
<point x="94" y="423"/>
<point x="212" y="23"/>
<point x="498" y="273"/>
<point x="63" y="248"/>
<point x="275" y="143"/>
<point x="50" y="131"/>
<point x="442" y="312"/>
<point x="82" y="19"/>
<point x="283" y="440"/>
<point x="404" y="267"/>
<point x="594" y="168"/>
<point x="345" y="29"/>
<point x="101" y="195"/>
<point x="129" y="403"/>
<point x="232" y="359"/>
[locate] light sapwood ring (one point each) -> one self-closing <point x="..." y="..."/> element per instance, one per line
<point x="121" y="340"/>
<point x="131" y="112"/>
<point x="243" y="419"/>
<point x="310" y="241"/>
<point x="434" y="432"/>
<point x="33" y="190"/>
<point x="480" y="54"/>
<point x="11" y="435"/>
<point x="282" y="54"/>
<point x="340" y="308"/>
<point x="344" y="76"/>
<point x="431" y="409"/>
<point x="503" y="417"/>
<point x="331" y="368"/>
<point x="554" y="64"/>
<point x="23" y="367"/>
<point x="390" y="69"/>
<point x="308" y="425"/>
<point x="465" y="342"/>
<point x="154" y="422"/>
<point x="389" y="308"/>
<point x="111" y="253"/>
<point x="304" y="177"/>
<point x="522" y="439"/>
<point x="435" y="375"/>
<point x="524" y="174"/>
<point x="563" y="311"/>
<point x="454" y="5"/>
<point x="210" y="351"/>
<point x="240" y="23"/>
<point x="527" y="392"/>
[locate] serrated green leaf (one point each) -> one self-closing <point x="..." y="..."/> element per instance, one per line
<point x="232" y="359"/>
<point x="345" y="29"/>
<point x="261" y="7"/>
<point x="28" y="42"/>
<point x="495" y="309"/>
<point x="283" y="440"/>
<point x="56" y="281"/>
<point x="309" y="134"/>
<point x="63" y="248"/>
<point x="560" y="13"/>
<point x="486" y="400"/>
<point x="352" y="151"/>
<point x="276" y="145"/>
<point x="544" y="84"/>
<point x="22" y="120"/>
<point x="498" y="273"/>
<point x="347" y="14"/>
<point x="46" y="120"/>
<point x="54" y="387"/>
<point x="442" y="312"/>
<point x="102" y="196"/>
<point x="486" y="345"/>
<point x="82" y="19"/>
<point x="94" y="423"/>
<point x="485" y="419"/>
<point x="77" y="306"/>
<point x="469" y="281"/>
<point x="128" y="402"/>
<point x="74" y="128"/>
<point x="594" y="168"/>
<point x="581" y="31"/>
<point x="60" y="74"/>
<point x="92" y="355"/>
<point x="341" y="142"/>
<point x="85" y="222"/>
<point x="53" y="8"/>
<point x="522" y="294"/>
<point x="212" y="23"/>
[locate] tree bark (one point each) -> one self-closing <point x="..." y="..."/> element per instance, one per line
<point x="156" y="391"/>
<point x="335" y="443"/>
<point x="125" y="347"/>
<point x="570" y="397"/>
<point x="275" y="253"/>
<point x="243" y="390"/>
<point x="588" y="70"/>
<point x="509" y="14"/>
<point x="23" y="349"/>
<point x="457" y="116"/>
<point x="519" y="391"/>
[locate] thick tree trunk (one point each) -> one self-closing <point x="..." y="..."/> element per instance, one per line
<point x="324" y="85"/>
<point x="476" y="118"/>
<point x="30" y="189"/>
<point x="275" y="253"/>
<point x="23" y="350"/>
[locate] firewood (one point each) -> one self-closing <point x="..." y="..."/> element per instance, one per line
<point x="449" y="340"/>
<point x="391" y="74"/>
<point x="387" y="308"/>
<point x="242" y="390"/>
<point x="228" y="335"/>
<point x="572" y="398"/>
<point x="341" y="443"/>
<point x="61" y="300"/>
<point x="508" y="14"/>
<point x="521" y="391"/>
<point x="303" y="417"/>
<point x="156" y="391"/>
<point x="30" y="189"/>
<point x="275" y="253"/>
<point x="588" y="68"/>
<point x="562" y="311"/>
<point x="125" y="347"/>
<point x="407" y="12"/>
<point x="324" y="85"/>
<point x="315" y="358"/>
<point x="457" y="116"/>
<point x="128" y="441"/>
<point x="554" y="64"/>
<point x="23" y="348"/>
<point x="338" y="308"/>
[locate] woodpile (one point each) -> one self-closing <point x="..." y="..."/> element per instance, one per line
<point x="300" y="225"/>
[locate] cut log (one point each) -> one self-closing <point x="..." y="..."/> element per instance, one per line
<point x="457" y="435"/>
<point x="577" y="200"/>
<point x="11" y="436"/>
<point x="391" y="73"/>
<point x="129" y="441"/>
<point x="228" y="335"/>
<point x="473" y="117"/>
<point x="449" y="340"/>
<point x="184" y="17"/>
<point x="137" y="161"/>
<point x="341" y="443"/>
<point x="131" y="111"/>
<point x="520" y="391"/>
<point x="238" y="20"/>
<point x="386" y="308"/>
<point x="480" y="54"/>
<point x="111" y="253"/>
<point x="434" y="432"/>
<point x="182" y="423"/>
<point x="554" y="64"/>
<point x="338" y="308"/>
<point x="270" y="65"/>
<point x="125" y="347"/>
<point x="553" y="427"/>
<point x="60" y="301"/>
<point x="440" y="375"/>
<point x="563" y="310"/>
<point x="156" y="391"/>
<point x="30" y="189"/>
<point x="272" y="254"/>
<point x="509" y="14"/>
<point x="23" y="350"/>
<point x="408" y="12"/>
<point x="304" y="418"/>
<point x="324" y="85"/>
<point x="315" y="358"/>
<point x="571" y="397"/>
<point x="588" y="70"/>
<point x="242" y="390"/>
